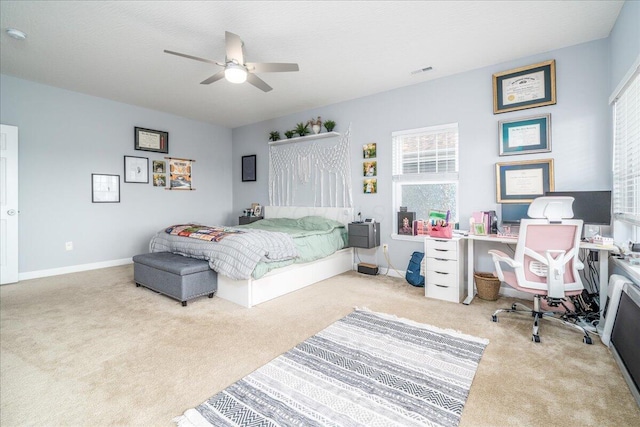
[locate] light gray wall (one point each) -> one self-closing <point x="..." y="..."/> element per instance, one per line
<point x="624" y="41"/>
<point x="581" y="142"/>
<point x="64" y="137"/>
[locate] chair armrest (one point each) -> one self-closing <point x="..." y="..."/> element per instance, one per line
<point x="498" y="257"/>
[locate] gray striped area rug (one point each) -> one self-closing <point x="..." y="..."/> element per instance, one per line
<point x="366" y="369"/>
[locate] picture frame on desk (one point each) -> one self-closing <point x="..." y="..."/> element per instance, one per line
<point x="525" y="136"/>
<point x="521" y="182"/>
<point x="405" y="223"/>
<point x="525" y="87"/>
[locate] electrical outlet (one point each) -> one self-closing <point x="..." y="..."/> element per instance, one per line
<point x="385" y="247"/>
<point x="68" y="246"/>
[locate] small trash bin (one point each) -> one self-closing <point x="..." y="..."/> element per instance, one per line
<point x="488" y="286"/>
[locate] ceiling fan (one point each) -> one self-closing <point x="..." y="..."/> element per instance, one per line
<point x="235" y="69"/>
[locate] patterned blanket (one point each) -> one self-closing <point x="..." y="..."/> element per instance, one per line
<point x="202" y="232"/>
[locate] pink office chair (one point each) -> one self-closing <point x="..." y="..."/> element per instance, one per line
<point x="546" y="263"/>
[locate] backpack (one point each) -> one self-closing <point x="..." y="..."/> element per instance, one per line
<point x="413" y="270"/>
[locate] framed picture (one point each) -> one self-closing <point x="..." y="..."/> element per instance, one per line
<point x="151" y="140"/>
<point x="370" y="168"/>
<point x="105" y="188"/>
<point x="525" y="136"/>
<point x="478" y="229"/>
<point x="180" y="174"/>
<point x="257" y="211"/>
<point x="159" y="180"/>
<point x="525" y="87"/>
<point x="159" y="166"/>
<point x="370" y="186"/>
<point x="521" y="182"/>
<point x="249" y="168"/>
<point x="405" y="223"/>
<point x="369" y="150"/>
<point x="136" y="169"/>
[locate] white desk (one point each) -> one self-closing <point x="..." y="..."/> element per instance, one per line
<point x="603" y="262"/>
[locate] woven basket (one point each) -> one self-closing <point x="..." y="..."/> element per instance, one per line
<point x="488" y="286"/>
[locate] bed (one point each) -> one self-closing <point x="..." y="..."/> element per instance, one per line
<point x="288" y="276"/>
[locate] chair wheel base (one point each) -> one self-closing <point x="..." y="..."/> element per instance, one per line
<point x="535" y="338"/>
<point x="587" y="340"/>
<point x="494" y="318"/>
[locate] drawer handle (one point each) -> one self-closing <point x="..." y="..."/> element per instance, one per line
<point x="441" y="272"/>
<point x="442" y="286"/>
<point x="441" y="250"/>
<point x="441" y="259"/>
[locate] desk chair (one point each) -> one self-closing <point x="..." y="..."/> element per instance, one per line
<point x="546" y="263"/>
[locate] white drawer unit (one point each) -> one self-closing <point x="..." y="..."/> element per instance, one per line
<point x="444" y="269"/>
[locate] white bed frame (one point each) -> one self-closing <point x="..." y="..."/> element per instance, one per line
<point x="281" y="281"/>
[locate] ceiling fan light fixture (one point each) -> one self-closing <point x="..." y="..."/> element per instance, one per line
<point x="235" y="73"/>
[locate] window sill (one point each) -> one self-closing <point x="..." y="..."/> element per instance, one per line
<point x="418" y="239"/>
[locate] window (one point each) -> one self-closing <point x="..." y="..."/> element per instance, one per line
<point x="425" y="170"/>
<point x="626" y="152"/>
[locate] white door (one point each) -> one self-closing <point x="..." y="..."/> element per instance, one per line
<point x="8" y="204"/>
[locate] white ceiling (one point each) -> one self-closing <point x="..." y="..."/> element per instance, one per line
<point x="346" y="50"/>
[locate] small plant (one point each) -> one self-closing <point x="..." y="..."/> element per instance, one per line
<point x="289" y="134"/>
<point x="329" y="125"/>
<point x="315" y="122"/>
<point x="274" y="136"/>
<point x="302" y="129"/>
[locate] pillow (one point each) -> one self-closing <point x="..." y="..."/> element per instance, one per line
<point x="318" y="223"/>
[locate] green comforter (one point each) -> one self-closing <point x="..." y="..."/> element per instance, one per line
<point x="315" y="237"/>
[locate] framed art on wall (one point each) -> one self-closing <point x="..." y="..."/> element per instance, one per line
<point x="521" y="182"/>
<point x="180" y="174"/>
<point x="525" y="136"/>
<point x="249" y="168"/>
<point x="136" y="169"/>
<point x="525" y="87"/>
<point x="105" y="188"/>
<point x="151" y="140"/>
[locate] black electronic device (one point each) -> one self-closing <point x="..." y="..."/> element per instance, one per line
<point x="513" y="213"/>
<point x="366" y="268"/>
<point x="369" y="220"/>
<point x="592" y="207"/>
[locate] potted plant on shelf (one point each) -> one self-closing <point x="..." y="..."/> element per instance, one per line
<point x="316" y="124"/>
<point x="329" y="125"/>
<point x="302" y="129"/>
<point x="274" y="136"/>
<point x="289" y="134"/>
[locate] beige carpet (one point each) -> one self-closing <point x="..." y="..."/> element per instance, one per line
<point x="91" y="349"/>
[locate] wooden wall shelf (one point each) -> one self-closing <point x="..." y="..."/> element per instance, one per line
<point x="304" y="138"/>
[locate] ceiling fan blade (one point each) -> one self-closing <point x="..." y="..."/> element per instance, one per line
<point x="217" y="76"/>
<point x="233" y="47"/>
<point x="272" y="67"/>
<point x="258" y="82"/>
<point x="184" y="55"/>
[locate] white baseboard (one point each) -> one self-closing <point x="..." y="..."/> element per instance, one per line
<point x="73" y="269"/>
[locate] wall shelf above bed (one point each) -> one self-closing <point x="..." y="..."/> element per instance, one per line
<point x="304" y="138"/>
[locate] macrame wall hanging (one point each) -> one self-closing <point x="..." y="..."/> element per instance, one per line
<point x="311" y="172"/>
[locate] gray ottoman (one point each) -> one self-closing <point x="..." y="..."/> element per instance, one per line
<point x="174" y="275"/>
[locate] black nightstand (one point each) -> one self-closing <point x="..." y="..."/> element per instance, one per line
<point x="364" y="234"/>
<point x="243" y="220"/>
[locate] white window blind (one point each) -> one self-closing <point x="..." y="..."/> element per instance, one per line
<point x="626" y="154"/>
<point x="426" y="154"/>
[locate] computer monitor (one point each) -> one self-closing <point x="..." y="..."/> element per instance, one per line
<point x="512" y="213"/>
<point x="592" y="207"/>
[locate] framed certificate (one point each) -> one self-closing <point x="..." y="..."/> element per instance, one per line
<point x="525" y="87"/>
<point x="525" y="136"/>
<point x="521" y="182"/>
<point x="151" y="140"/>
